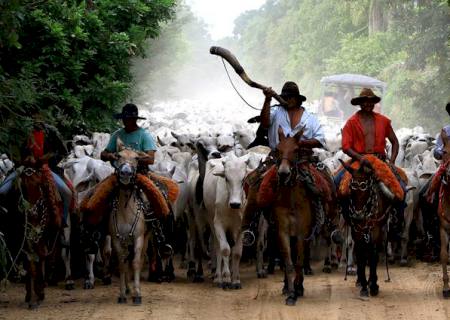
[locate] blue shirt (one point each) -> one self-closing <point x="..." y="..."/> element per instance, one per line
<point x="279" y="117"/>
<point x="138" y="140"/>
<point x="439" y="149"/>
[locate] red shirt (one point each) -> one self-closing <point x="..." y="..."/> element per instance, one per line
<point x="353" y="134"/>
<point x="36" y="143"/>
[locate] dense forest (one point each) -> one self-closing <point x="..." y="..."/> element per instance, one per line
<point x="71" y="60"/>
<point x="404" y="43"/>
<point x="79" y="60"/>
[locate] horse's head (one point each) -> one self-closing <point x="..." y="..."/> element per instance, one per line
<point x="127" y="164"/>
<point x="362" y="185"/>
<point x="287" y="155"/>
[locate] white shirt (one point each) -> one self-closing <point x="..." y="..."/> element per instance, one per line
<point x="279" y="118"/>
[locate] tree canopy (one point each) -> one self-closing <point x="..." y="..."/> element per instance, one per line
<point x="404" y="43"/>
<point x="70" y="59"/>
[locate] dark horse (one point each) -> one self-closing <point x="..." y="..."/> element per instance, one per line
<point x="33" y="225"/>
<point x="292" y="210"/>
<point x="366" y="210"/>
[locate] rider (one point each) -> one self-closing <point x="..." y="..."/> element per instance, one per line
<point x="44" y="145"/>
<point x="138" y="139"/>
<point x="292" y="118"/>
<point x="365" y="133"/>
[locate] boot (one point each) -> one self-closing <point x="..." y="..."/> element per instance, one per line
<point x="165" y="250"/>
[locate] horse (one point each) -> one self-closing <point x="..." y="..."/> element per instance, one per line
<point x="33" y="225"/>
<point x="444" y="211"/>
<point x="293" y="215"/>
<point x="127" y="226"/>
<point x="366" y="209"/>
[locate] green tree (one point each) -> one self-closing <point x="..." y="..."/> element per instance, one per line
<point x="71" y="60"/>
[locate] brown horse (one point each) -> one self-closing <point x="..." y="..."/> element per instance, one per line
<point x="33" y="226"/>
<point x="293" y="215"/>
<point x="444" y="212"/>
<point x="366" y="210"/>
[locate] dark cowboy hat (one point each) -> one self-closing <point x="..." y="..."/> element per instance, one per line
<point x="366" y="94"/>
<point x="129" y="111"/>
<point x="290" y="89"/>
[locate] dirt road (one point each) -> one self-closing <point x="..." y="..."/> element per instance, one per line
<point x="414" y="293"/>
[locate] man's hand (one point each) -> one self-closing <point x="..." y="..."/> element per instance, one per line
<point x="269" y="93"/>
<point x="365" y="163"/>
<point x="109" y="156"/>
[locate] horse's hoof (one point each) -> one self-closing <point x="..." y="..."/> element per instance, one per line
<point x="291" y="300"/>
<point x="403" y="263"/>
<point x="70" y="286"/>
<point x="364" y="293"/>
<point x="122" y="300"/>
<point x="446" y="293"/>
<point x="351" y="272"/>
<point x="261" y="274"/>
<point x="308" y="271"/>
<point x="88" y="285"/>
<point x="137" y="300"/>
<point x="236" y="286"/>
<point x="198" y="278"/>
<point x="374" y="290"/>
<point x="183" y="265"/>
<point x="33" y="306"/>
<point x="107" y="281"/>
<point x="285" y="291"/>
<point x="191" y="275"/>
<point x="326" y="269"/>
<point x="154" y="278"/>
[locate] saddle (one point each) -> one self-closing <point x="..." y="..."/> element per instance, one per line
<point x="315" y="180"/>
<point x="158" y="190"/>
<point x="383" y="172"/>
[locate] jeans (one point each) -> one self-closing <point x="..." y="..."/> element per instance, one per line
<point x="63" y="189"/>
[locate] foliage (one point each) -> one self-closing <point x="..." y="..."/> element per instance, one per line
<point x="70" y="60"/>
<point x="404" y="43"/>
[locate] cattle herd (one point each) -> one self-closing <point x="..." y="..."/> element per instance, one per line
<point x="214" y="151"/>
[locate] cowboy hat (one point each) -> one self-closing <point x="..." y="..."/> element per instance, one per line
<point x="366" y="94"/>
<point x="290" y="89"/>
<point x="129" y="111"/>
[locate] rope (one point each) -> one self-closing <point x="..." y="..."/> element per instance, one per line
<point x="235" y="89"/>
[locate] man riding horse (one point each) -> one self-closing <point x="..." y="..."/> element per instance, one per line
<point x="137" y="139"/>
<point x="292" y="119"/>
<point x="373" y="190"/>
<point x="44" y="146"/>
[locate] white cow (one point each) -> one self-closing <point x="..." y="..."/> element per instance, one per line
<point x="224" y="201"/>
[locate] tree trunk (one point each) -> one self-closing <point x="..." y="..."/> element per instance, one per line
<point x="377" y="16"/>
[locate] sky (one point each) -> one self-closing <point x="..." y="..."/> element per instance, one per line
<point x="219" y="15"/>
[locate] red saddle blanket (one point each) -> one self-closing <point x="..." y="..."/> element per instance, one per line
<point x="98" y="205"/>
<point x="268" y="188"/>
<point x="382" y="172"/>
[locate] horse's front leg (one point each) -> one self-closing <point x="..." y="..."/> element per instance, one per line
<point x="299" y="278"/>
<point x="285" y="250"/>
<point x="122" y="254"/>
<point x="106" y="257"/>
<point x="137" y="266"/>
<point x="373" y="262"/>
<point x="361" y="261"/>
<point x="65" y="254"/>
<point x="444" y="261"/>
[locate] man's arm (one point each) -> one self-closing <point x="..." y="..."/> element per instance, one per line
<point x="108" y="156"/>
<point x="265" y="112"/>
<point x="148" y="159"/>
<point x="392" y="137"/>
